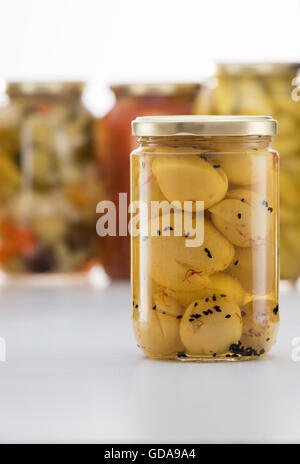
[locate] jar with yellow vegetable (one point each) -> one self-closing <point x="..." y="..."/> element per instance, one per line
<point x="204" y="225"/>
<point x="267" y="88"/>
<point x="48" y="180"/>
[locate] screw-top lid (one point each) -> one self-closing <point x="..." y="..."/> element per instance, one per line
<point x="168" y="126"/>
<point x="45" y="88"/>
<point x="263" y="68"/>
<point x="162" y="89"/>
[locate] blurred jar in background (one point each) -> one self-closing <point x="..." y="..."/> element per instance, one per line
<point x="49" y="183"/>
<point x="114" y="143"/>
<point x="267" y="88"/>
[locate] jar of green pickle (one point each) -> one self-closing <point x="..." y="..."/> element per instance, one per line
<point x="267" y="88"/>
<point x="48" y="180"/>
<point x="204" y="227"/>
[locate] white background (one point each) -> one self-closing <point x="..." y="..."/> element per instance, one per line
<point x="83" y="380"/>
<point x="73" y="373"/>
<point x="107" y="41"/>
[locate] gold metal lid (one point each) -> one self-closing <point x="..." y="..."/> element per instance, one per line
<point x="168" y="126"/>
<point x="45" y="88"/>
<point x="263" y="68"/>
<point x="164" y="89"/>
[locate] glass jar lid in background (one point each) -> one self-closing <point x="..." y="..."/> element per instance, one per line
<point x="156" y="89"/>
<point x="45" y="88"/>
<point x="257" y="68"/>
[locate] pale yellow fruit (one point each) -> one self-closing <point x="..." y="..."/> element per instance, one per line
<point x="289" y="189"/>
<point x="287" y="146"/>
<point x="49" y="229"/>
<point x="181" y="268"/>
<point x="292" y="236"/>
<point x="228" y="286"/>
<point x="289" y="126"/>
<point x="252" y="98"/>
<point x="209" y="327"/>
<point x="135" y="266"/>
<point x="190" y="178"/>
<point x="285" y="103"/>
<point x="245" y="168"/>
<point x="10" y="176"/>
<point x="166" y="304"/>
<point x="243" y="218"/>
<point x="255" y="268"/>
<point x="156" y="326"/>
<point x="260" y="322"/>
<point x="288" y="216"/>
<point x="289" y="266"/>
<point x="224" y="97"/>
<point x="144" y="184"/>
<point x="219" y="283"/>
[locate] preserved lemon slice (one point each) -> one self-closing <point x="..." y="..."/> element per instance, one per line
<point x="244" y="218"/>
<point x="157" y="329"/>
<point x="220" y="284"/>
<point x="260" y="320"/>
<point x="209" y="327"/>
<point x="186" y="178"/>
<point x="144" y="183"/>
<point x="181" y="268"/>
<point x="255" y="267"/>
<point x="245" y="168"/>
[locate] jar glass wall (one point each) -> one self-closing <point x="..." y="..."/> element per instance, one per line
<point x="204" y="275"/>
<point x="114" y="142"/>
<point x="49" y="182"/>
<point x="267" y="88"/>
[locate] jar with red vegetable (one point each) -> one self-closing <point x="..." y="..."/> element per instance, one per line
<point x="114" y="142"/>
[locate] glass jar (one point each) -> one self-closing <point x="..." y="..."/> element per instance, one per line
<point x="204" y="231"/>
<point x="49" y="183"/>
<point x="267" y="88"/>
<point x="114" y="141"/>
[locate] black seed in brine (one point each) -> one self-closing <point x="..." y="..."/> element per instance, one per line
<point x="208" y="252"/>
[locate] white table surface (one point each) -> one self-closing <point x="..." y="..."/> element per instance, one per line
<point x="74" y="374"/>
